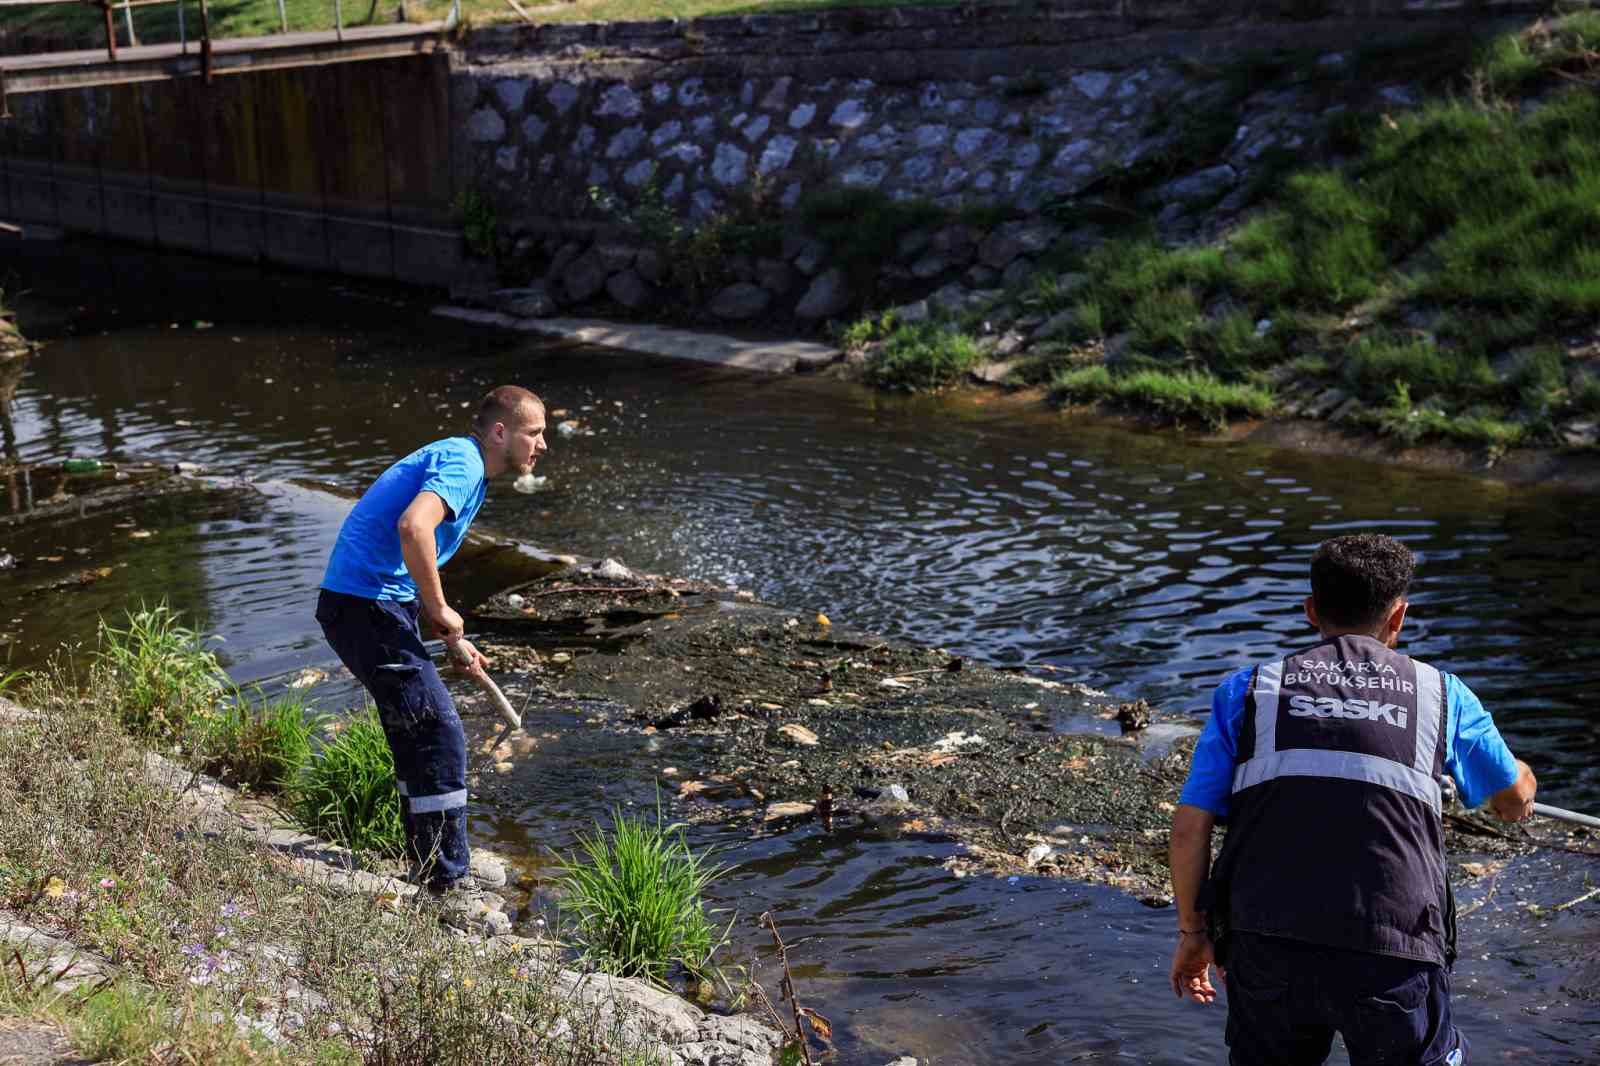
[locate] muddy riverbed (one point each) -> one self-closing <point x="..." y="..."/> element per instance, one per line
<point x="1070" y="570"/>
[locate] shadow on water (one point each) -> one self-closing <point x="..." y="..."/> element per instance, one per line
<point x="1146" y="565"/>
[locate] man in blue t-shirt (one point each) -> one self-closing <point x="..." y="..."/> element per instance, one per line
<point x="1328" y="909"/>
<point x="383" y="576"/>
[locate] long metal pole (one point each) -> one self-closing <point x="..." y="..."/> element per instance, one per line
<point x="283" y="18"/>
<point x="133" y="38"/>
<point x="1560" y="814"/>
<point x="205" y="41"/>
<point x="338" y="19"/>
<point x="111" y="30"/>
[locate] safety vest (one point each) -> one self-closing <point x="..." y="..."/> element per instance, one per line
<point x="1334" y="831"/>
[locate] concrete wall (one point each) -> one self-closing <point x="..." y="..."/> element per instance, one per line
<point x="343" y="167"/>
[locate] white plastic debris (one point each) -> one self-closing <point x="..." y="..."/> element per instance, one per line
<point x="529" y="483"/>
<point x="611" y="570"/>
<point x="515" y="600"/>
<point x="952" y="742"/>
<point x="567" y="428"/>
<point x="1037" y="854"/>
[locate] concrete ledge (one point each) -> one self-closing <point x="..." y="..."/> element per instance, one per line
<point x="773" y="357"/>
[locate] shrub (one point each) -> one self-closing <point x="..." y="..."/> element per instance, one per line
<point x="635" y="896"/>
<point x="165" y="678"/>
<point x="260" y="745"/>
<point x="346" y="791"/>
<point x="1586" y="395"/>
<point x="923" y="355"/>
<point x="1374" y="365"/>
<point x="1184" y="395"/>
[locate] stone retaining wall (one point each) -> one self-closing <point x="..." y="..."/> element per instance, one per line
<point x="1012" y="107"/>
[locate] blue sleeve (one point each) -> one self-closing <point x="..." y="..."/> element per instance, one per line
<point x="1210" y="781"/>
<point x="452" y="473"/>
<point x="1476" y="758"/>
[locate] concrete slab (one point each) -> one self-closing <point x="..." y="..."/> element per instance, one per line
<point x="773" y="357"/>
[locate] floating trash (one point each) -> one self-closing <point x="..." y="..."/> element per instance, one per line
<point x="530" y="483"/>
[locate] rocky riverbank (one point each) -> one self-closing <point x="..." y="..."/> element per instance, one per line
<point x="776" y="718"/>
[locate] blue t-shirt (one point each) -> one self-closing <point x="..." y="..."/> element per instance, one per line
<point x="1475" y="756"/>
<point x="366" y="559"/>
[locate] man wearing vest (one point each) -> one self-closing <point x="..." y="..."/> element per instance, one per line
<point x="1329" y="900"/>
<point x="382" y="576"/>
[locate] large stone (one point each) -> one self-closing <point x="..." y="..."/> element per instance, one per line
<point x="639" y="174"/>
<point x="865" y="175"/>
<point x="970" y="142"/>
<point x="486" y="126"/>
<point x="756" y="128"/>
<point x="1201" y="187"/>
<point x="648" y="264"/>
<point x="1092" y="84"/>
<point x="585" y="277"/>
<point x="808" y="255"/>
<point x="1011" y="239"/>
<point x="511" y="93"/>
<point x="562" y="95"/>
<point x="630" y="290"/>
<point x="950" y="299"/>
<point x="620" y="101"/>
<point x="531" y="302"/>
<point x="912" y="244"/>
<point x="615" y="255"/>
<point x="625" y="143"/>
<point x="916" y="311"/>
<point x="728" y="167"/>
<point x="740" y="301"/>
<point x="777" y="154"/>
<point x="957" y="244"/>
<point x="774" y="275"/>
<point x="848" y="115"/>
<point x="1017" y="273"/>
<point x="828" y="295"/>
<point x="930" y="266"/>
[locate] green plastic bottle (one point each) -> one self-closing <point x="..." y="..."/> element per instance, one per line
<point x="82" y="466"/>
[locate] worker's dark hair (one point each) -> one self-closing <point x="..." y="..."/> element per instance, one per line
<point x="507" y="403"/>
<point x="1356" y="578"/>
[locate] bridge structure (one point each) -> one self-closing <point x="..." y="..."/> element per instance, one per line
<point x="329" y="150"/>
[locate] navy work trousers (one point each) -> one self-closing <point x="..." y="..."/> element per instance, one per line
<point x="1286" y="999"/>
<point x="378" y="640"/>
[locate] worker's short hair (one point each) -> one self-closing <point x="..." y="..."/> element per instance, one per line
<point x="507" y="403"/>
<point x="1356" y="578"/>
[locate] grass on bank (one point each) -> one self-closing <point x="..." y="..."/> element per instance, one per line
<point x="171" y="691"/>
<point x="636" y="898"/>
<point x="1435" y="268"/>
<point x="218" y="944"/>
<point x="635" y="894"/>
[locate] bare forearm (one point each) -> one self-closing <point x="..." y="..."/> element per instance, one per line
<point x="1190" y="859"/>
<point x="422" y="562"/>
<point x="1515" y="802"/>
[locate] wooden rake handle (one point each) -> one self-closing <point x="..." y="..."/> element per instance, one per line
<point x="492" y="690"/>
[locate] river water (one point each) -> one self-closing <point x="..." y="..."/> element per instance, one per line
<point x="1147" y="565"/>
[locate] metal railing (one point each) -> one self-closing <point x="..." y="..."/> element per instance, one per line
<point x="127" y="7"/>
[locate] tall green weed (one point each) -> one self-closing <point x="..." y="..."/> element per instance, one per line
<point x="346" y="791"/>
<point x="636" y="897"/>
